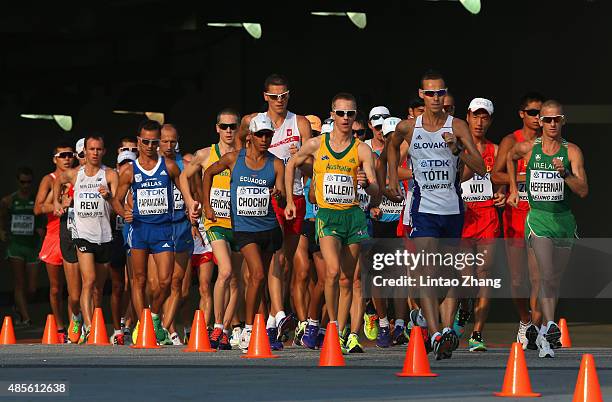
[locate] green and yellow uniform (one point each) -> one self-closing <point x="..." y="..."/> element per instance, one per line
<point x="24" y="241"/>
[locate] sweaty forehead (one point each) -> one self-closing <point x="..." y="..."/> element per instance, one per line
<point x="344" y="104"/>
<point x="433" y="84"/>
<point x="149" y="134"/>
<point x="277" y="89"/>
<point x="550" y="111"/>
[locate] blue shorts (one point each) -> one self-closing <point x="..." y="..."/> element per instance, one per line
<point x="156" y="238"/>
<point x="437" y="226"/>
<point x="181" y="234"/>
<point x="126" y="233"/>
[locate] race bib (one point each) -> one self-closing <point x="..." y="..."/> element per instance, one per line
<point x="388" y="207"/>
<point x="89" y="205"/>
<point x="252" y="201"/>
<point x="434" y="174"/>
<point x="201" y="245"/>
<point x="478" y="188"/>
<point x="522" y="191"/>
<point x="179" y="203"/>
<point x="338" y="188"/>
<point x="22" y="225"/>
<point x="220" y="202"/>
<point x="152" y="201"/>
<point x="364" y="198"/>
<point x="546" y="185"/>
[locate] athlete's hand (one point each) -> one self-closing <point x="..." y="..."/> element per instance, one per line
<point x="194" y="211"/>
<point x="499" y="199"/>
<point x="362" y="179"/>
<point x="451" y="141"/>
<point x="128" y="216"/>
<point x="513" y="199"/>
<point x="292" y="149"/>
<point x="375" y="213"/>
<point x="103" y="190"/>
<point x="66" y="201"/>
<point x="290" y="210"/>
<point x="210" y="214"/>
<point x="58" y="209"/>
<point x="558" y="165"/>
<point x="393" y="193"/>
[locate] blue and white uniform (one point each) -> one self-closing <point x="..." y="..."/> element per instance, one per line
<point x="181" y="227"/>
<point x="151" y="228"/>
<point x="436" y="208"/>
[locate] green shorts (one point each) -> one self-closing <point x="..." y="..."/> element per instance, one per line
<point x="558" y="226"/>
<point x="23" y="252"/>
<point x="348" y="225"/>
<point x="221" y="233"/>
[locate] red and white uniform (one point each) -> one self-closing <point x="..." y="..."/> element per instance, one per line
<point x="50" y="251"/>
<point x="514" y="218"/>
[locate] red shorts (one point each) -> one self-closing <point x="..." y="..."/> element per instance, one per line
<point x="50" y="252"/>
<point x="199" y="259"/>
<point x="481" y="224"/>
<point x="294" y="226"/>
<point x="514" y="225"/>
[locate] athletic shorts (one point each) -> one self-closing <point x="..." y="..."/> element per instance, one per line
<point x="101" y="251"/>
<point x="384" y="230"/>
<point x="559" y="226"/>
<point x="220" y="233"/>
<point x="181" y="234"/>
<point x="293" y="226"/>
<point x="348" y="225"/>
<point x="156" y="238"/>
<point x="481" y="224"/>
<point x="308" y="231"/>
<point x="199" y="259"/>
<point x="118" y="253"/>
<point x="267" y="240"/>
<point x="437" y="226"/>
<point x="27" y="253"/>
<point x="50" y="251"/>
<point x="67" y="244"/>
<point x="514" y="225"/>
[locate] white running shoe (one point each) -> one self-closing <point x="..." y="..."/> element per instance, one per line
<point x="235" y="338"/>
<point x="544" y="349"/>
<point x="521" y="335"/>
<point x="245" y="339"/>
<point x="176" y="339"/>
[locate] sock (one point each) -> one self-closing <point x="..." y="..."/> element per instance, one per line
<point x="433" y="338"/>
<point x="122" y="322"/>
<point x="279" y="316"/>
<point x="399" y="322"/>
<point x="78" y="317"/>
<point x="226" y="331"/>
<point x="525" y="324"/>
<point x="383" y="322"/>
<point x="117" y="332"/>
<point x="271" y="322"/>
<point x="313" y="322"/>
<point x="154" y="316"/>
<point x="248" y="327"/>
<point x="218" y="326"/>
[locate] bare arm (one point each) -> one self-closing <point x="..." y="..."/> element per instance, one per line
<point x="191" y="170"/>
<point x="366" y="160"/>
<point x="126" y="176"/>
<point x="309" y="149"/>
<point x="67" y="176"/>
<point x="518" y="151"/>
<point x="279" y="183"/>
<point x="471" y="157"/>
<point x="227" y="161"/>
<point x="41" y="204"/>
<point x="112" y="180"/>
<point x="500" y="174"/>
<point x="577" y="178"/>
<point x="403" y="131"/>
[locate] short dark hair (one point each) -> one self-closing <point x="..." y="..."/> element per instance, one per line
<point x="24" y="170"/>
<point x="62" y="144"/>
<point x="228" y="110"/>
<point x="344" y="96"/>
<point x="530" y="97"/>
<point x="149" y="125"/>
<point x="92" y="137"/>
<point x="361" y="119"/>
<point x="275" y="79"/>
<point x="416" y="102"/>
<point x="430" y="75"/>
<point x="127" y="138"/>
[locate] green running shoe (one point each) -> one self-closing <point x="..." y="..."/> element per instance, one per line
<point x="353" y="344"/>
<point x="476" y="344"/>
<point x="160" y="333"/>
<point x="343" y="346"/>
<point x="370" y="326"/>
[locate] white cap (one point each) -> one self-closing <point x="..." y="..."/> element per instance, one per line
<point x="261" y="122"/>
<point x="80" y="146"/>
<point x="327" y="127"/>
<point x="389" y="125"/>
<point x="481" y="103"/>
<point x="126" y="155"/>
<point x="378" y="110"/>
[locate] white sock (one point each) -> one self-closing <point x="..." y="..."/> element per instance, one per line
<point x="123" y="321"/>
<point x="226" y="331"/>
<point x="279" y="316"/>
<point x="383" y="322"/>
<point x="313" y="322"/>
<point x="218" y="326"/>
<point x="117" y="332"/>
<point x="271" y="322"/>
<point x="399" y="322"/>
<point x="153" y="315"/>
<point x="248" y="327"/>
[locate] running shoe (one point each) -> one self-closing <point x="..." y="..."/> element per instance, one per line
<point x="75" y="330"/>
<point x="441" y="347"/>
<point x="370" y="326"/>
<point x="176" y="339"/>
<point x="383" y="340"/>
<point x="286" y="325"/>
<point x="476" y="343"/>
<point x="299" y="333"/>
<point x="544" y="349"/>
<point x="166" y="340"/>
<point x="345" y="334"/>
<point x="275" y="344"/>
<point x="161" y="334"/>
<point x="461" y="318"/>
<point x="343" y="347"/>
<point x="320" y="337"/>
<point x="84" y="335"/>
<point x="454" y="338"/>
<point x="62" y="337"/>
<point x="127" y="336"/>
<point x="353" y="345"/>
<point x="224" y="343"/>
<point x="117" y="339"/>
<point x="309" y="339"/>
<point x="531" y="333"/>
<point x="235" y="338"/>
<point x="416" y="318"/>
<point x="245" y="339"/>
<point x="215" y="338"/>
<point x="399" y="335"/>
<point x="135" y="333"/>
<point x="553" y="335"/>
<point x="523" y="339"/>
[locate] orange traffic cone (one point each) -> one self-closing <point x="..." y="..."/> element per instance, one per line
<point x="97" y="335"/>
<point x="566" y="342"/>
<point x="198" y="340"/>
<point x="259" y="345"/>
<point x="587" y="386"/>
<point x="146" y="332"/>
<point x="7" y="335"/>
<point x="50" y="336"/>
<point x="516" y="380"/>
<point x="416" y="363"/>
<point x="331" y="354"/>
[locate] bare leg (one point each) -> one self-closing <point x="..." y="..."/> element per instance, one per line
<point x="331" y="249"/>
<point x="350" y="254"/>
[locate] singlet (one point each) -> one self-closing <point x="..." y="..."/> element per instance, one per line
<point x="219" y="193"/>
<point x="311" y="209"/>
<point x="53" y="222"/>
<point x="23" y="221"/>
<point x="91" y="212"/>
<point x="335" y="175"/>
<point x="284" y="136"/>
<point x="408" y="186"/>
<point x="178" y="204"/>
<point x="437" y="187"/>
<point x="521" y="168"/>
<point x="250" y="195"/>
<point x="151" y="191"/>
<point x="477" y="192"/>
<point x="545" y="186"/>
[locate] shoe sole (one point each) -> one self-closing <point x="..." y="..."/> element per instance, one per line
<point x="531" y="336"/>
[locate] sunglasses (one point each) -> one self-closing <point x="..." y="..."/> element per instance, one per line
<point x="433" y="92"/>
<point x="225" y="126"/>
<point x="263" y="133"/>
<point x="148" y="142"/>
<point x="359" y="133"/>
<point x="130" y="149"/>
<point x="379" y="116"/>
<point x="64" y="155"/>
<point x="548" y="119"/>
<point x="347" y="113"/>
<point x="81" y="155"/>
<point x="278" y="97"/>
<point x="532" y="112"/>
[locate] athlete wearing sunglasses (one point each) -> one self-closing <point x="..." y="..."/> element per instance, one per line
<point x="377" y="116"/>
